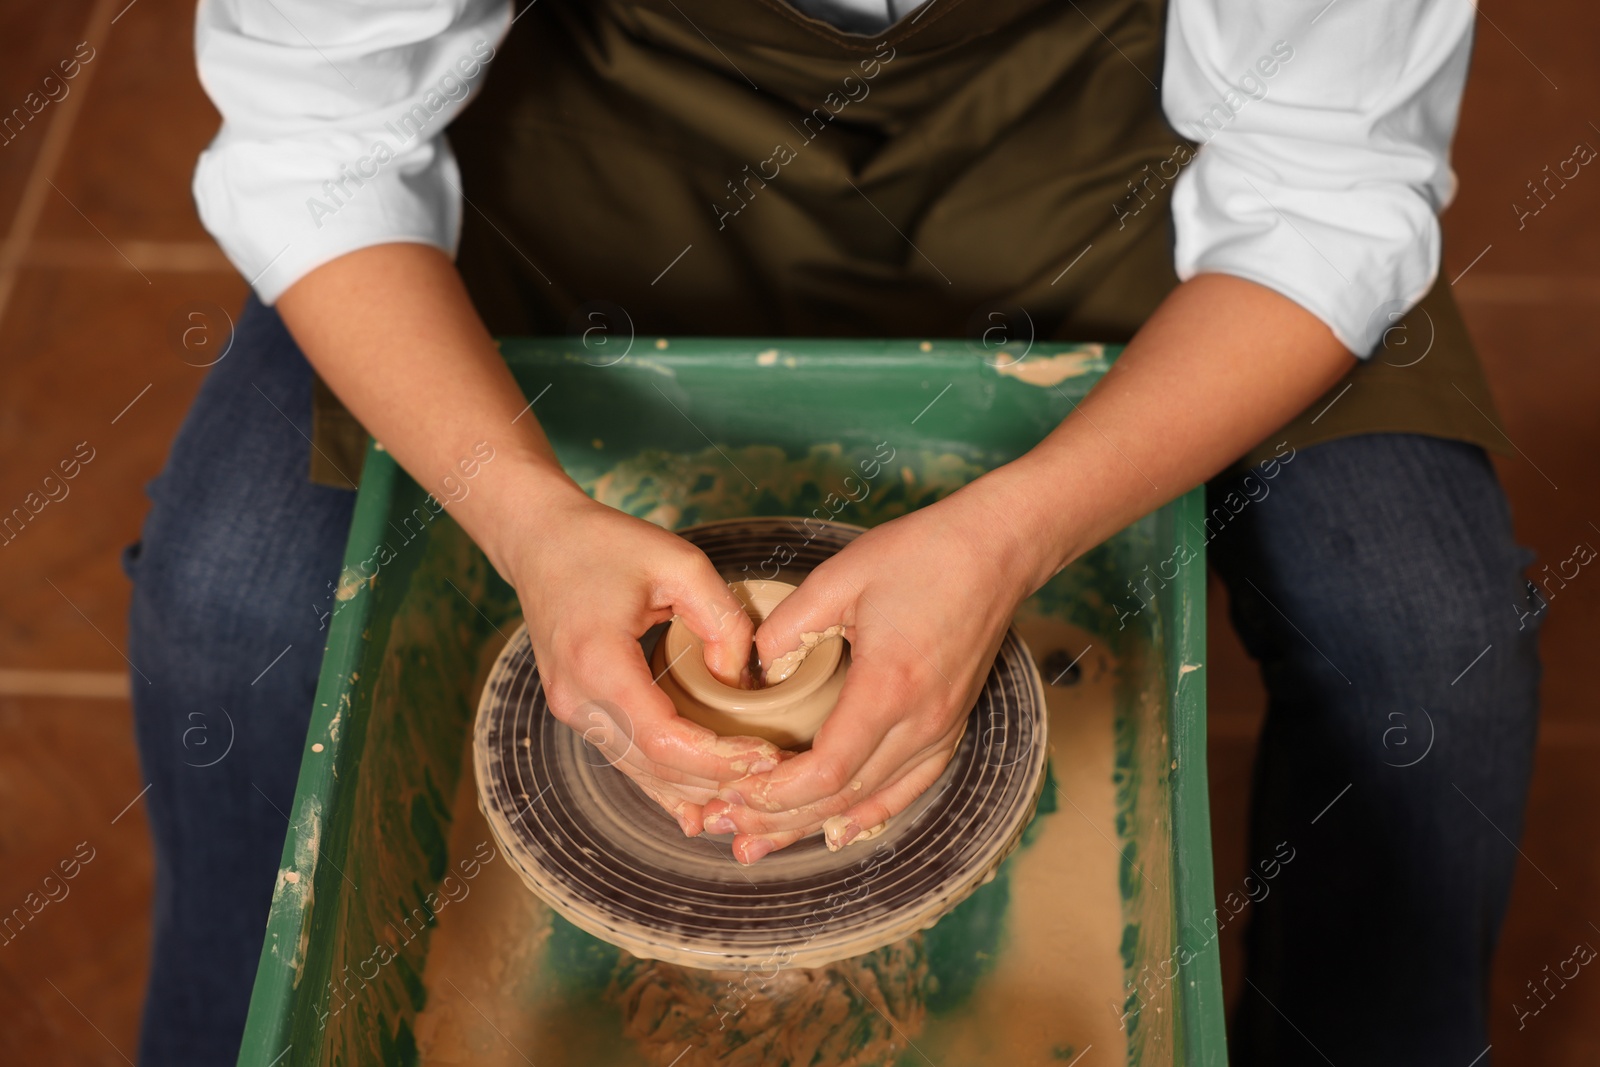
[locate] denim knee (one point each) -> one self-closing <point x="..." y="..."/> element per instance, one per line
<point x="239" y="550"/>
<point x="1387" y="560"/>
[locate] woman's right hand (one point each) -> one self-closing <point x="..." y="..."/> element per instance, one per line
<point x="592" y="580"/>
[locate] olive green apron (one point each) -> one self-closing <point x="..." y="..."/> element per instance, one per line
<point x="725" y="168"/>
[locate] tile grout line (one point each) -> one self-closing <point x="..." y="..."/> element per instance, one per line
<point x="30" y="206"/>
<point x="90" y="684"/>
<point x="185" y="257"/>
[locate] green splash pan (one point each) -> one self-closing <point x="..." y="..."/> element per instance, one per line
<point x="1092" y="941"/>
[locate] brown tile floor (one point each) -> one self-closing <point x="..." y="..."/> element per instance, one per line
<point x="97" y="265"/>
<point x="70" y="788"/>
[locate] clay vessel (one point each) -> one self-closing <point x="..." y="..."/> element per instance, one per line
<point x="787" y="713"/>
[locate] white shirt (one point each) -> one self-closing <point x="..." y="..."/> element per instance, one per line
<point x="858" y="16"/>
<point x="1325" y="161"/>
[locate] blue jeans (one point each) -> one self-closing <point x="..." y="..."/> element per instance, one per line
<point x="229" y="583"/>
<point x="1371" y="574"/>
<point x="1376" y="582"/>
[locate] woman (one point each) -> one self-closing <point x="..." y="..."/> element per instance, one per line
<point x="852" y="167"/>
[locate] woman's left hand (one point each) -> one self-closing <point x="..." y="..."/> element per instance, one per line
<point x="925" y="601"/>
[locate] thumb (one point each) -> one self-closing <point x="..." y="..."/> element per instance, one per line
<point x="820" y="602"/>
<point x="713" y="614"/>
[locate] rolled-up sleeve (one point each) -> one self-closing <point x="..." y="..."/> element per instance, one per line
<point x="333" y="113"/>
<point x="1325" y="148"/>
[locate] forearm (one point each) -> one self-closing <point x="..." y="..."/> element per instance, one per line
<point x="1221" y="364"/>
<point x="391" y="330"/>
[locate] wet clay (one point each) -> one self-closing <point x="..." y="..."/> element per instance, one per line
<point x="1049" y="371"/>
<point x="786" y="664"/>
<point x="834" y="828"/>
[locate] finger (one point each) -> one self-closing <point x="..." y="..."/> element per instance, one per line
<point x="870" y="702"/>
<point x="691" y="819"/>
<point x="681" y="752"/>
<point x="821" y="601"/>
<point x="702" y="599"/>
<point x="645" y="776"/>
<point x="747" y="849"/>
<point x="863" y="821"/>
<point x="893" y="760"/>
<point x="723" y="817"/>
<point x="687" y="814"/>
<point x="883" y="805"/>
<point x="646" y="726"/>
<point x="888" y="763"/>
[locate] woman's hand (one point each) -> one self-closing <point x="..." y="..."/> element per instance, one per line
<point x="592" y="580"/>
<point x="925" y="601"/>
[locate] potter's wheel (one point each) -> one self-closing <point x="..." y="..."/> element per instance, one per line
<point x="611" y="862"/>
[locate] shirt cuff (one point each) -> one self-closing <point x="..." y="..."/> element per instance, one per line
<point x="280" y="210"/>
<point x="1357" y="258"/>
